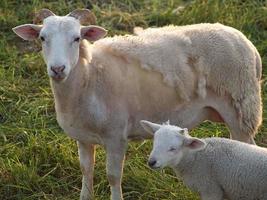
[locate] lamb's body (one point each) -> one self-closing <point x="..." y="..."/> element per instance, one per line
<point x="234" y="169"/>
<point x="216" y="168"/>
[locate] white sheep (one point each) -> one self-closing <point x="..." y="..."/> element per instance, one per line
<point x="102" y="90"/>
<point x="216" y="168"/>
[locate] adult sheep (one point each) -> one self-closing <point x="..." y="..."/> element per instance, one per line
<point x="186" y="74"/>
<point x="216" y="168"/>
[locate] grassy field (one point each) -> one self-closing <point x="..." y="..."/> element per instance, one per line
<point x="37" y="160"/>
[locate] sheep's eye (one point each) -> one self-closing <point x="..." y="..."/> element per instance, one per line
<point x="42" y="38"/>
<point x="77" y="39"/>
<point x="172" y="149"/>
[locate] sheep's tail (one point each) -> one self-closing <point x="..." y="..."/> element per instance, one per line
<point x="251" y="106"/>
<point x="258" y="65"/>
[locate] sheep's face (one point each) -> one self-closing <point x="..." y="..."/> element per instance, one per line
<point x="60" y="38"/>
<point x="170" y="144"/>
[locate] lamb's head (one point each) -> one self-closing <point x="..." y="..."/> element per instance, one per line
<point x="61" y="37"/>
<point x="170" y="144"/>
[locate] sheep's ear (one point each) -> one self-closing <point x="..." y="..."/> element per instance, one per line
<point x="149" y="126"/>
<point x="194" y="143"/>
<point x="93" y="33"/>
<point x="27" y="31"/>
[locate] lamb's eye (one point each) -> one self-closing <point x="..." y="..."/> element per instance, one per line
<point x="77" y="39"/>
<point x="172" y="149"/>
<point x="42" y="38"/>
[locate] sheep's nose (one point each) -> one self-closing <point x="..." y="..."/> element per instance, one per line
<point x="58" y="69"/>
<point x="152" y="162"/>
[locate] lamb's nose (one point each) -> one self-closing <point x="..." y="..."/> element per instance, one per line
<point x="152" y="162"/>
<point x="58" y="69"/>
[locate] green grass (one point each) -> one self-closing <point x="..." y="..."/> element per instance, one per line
<point x="37" y="160"/>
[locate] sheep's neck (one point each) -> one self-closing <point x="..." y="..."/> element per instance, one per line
<point x="68" y="94"/>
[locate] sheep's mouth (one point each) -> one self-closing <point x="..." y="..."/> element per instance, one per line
<point x="58" y="77"/>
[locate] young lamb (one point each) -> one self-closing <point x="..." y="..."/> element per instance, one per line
<point x="217" y="168"/>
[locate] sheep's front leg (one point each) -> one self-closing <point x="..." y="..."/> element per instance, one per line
<point x="115" y="159"/>
<point x="87" y="160"/>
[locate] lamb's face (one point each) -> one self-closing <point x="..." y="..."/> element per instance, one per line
<point x="60" y="37"/>
<point x="167" y="147"/>
<point x="171" y="143"/>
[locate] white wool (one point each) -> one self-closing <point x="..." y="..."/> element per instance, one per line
<point x="195" y="58"/>
<point x="161" y="52"/>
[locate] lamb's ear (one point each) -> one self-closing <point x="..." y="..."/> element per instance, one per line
<point x="27" y="31"/>
<point x="194" y="143"/>
<point x="93" y="33"/>
<point x="149" y="126"/>
<point x="184" y="131"/>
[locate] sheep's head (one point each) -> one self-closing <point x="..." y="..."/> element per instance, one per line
<point x="60" y="37"/>
<point x="170" y="144"/>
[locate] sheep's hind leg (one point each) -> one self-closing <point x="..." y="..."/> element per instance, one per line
<point x="231" y="116"/>
<point x="233" y="122"/>
<point x="87" y="160"/>
<point x="242" y="137"/>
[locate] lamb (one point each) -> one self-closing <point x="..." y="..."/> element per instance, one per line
<point x="102" y="90"/>
<point x="216" y="168"/>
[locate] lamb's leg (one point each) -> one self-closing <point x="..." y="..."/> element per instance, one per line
<point x="87" y="160"/>
<point x="115" y="149"/>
